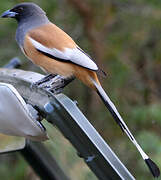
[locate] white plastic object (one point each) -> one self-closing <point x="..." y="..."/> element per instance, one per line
<point x="15" y="118"/>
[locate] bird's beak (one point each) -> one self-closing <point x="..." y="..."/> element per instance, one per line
<point x="8" y="13"/>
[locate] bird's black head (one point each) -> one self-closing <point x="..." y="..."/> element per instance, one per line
<point x="23" y="10"/>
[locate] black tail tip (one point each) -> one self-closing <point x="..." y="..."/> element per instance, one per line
<point x="153" y="167"/>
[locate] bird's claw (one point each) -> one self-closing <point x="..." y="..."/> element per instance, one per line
<point x="54" y="85"/>
<point x="36" y="85"/>
<point x="56" y="91"/>
<point x="33" y="86"/>
<point x="42" y="83"/>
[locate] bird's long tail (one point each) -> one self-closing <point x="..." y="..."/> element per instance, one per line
<point x="111" y="107"/>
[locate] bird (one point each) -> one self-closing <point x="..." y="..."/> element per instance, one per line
<point x="53" y="50"/>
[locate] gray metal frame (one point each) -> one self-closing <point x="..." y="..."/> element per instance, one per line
<point x="64" y="113"/>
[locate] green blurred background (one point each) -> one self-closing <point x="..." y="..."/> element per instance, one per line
<point x="124" y="37"/>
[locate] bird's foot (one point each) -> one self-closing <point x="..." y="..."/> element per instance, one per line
<point x="42" y="82"/>
<point x="52" y="83"/>
<point x="57" y="84"/>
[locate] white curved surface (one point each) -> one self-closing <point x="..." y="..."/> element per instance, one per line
<point x="15" y="118"/>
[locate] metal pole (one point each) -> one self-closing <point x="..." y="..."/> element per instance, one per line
<point x="42" y="161"/>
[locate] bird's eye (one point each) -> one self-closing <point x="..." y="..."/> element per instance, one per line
<point x="20" y="9"/>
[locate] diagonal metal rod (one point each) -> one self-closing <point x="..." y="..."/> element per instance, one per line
<point x="42" y="161"/>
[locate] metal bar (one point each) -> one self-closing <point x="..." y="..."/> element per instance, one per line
<point x="89" y="144"/>
<point x="42" y="161"/>
<point x="62" y="112"/>
<point x="13" y="63"/>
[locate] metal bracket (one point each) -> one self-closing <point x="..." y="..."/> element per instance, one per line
<point x="64" y="113"/>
